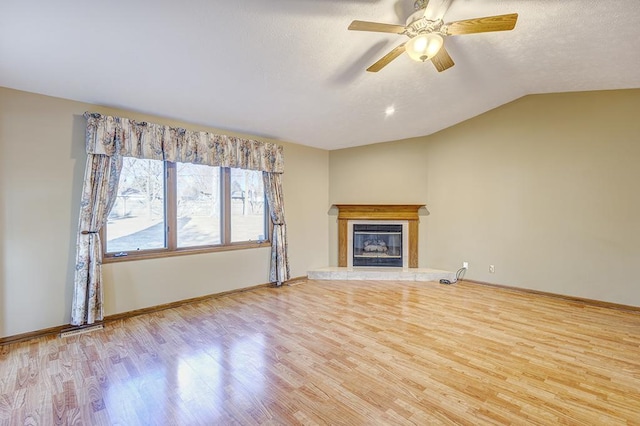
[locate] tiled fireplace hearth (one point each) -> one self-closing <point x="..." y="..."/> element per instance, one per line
<point x="378" y="242"/>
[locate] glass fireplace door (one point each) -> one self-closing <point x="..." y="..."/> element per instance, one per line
<point x="377" y="245"/>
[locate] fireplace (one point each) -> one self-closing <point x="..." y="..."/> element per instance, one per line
<point x="378" y="235"/>
<point x="377" y="244"/>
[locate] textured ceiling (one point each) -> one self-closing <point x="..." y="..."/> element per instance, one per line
<point x="290" y="69"/>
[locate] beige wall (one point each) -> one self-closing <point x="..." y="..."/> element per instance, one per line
<point x="387" y="173"/>
<point x="41" y="170"/>
<point x="544" y="188"/>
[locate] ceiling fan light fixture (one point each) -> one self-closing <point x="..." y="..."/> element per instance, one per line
<point x="424" y="46"/>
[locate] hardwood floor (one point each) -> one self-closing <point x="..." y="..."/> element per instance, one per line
<point x="338" y="352"/>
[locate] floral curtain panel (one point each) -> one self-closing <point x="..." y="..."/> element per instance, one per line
<point x="279" y="271"/>
<point x="108" y="139"/>
<point x="99" y="191"/>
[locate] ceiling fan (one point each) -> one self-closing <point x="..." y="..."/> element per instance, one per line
<point x="426" y="31"/>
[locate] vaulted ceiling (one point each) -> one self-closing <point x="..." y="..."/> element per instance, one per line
<point x="290" y="69"/>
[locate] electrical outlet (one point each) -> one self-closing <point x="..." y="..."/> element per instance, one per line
<point x="465" y="265"/>
<point x="492" y="269"/>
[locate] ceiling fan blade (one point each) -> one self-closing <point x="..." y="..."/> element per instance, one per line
<point x="387" y="58"/>
<point x="442" y="61"/>
<point x="436" y="9"/>
<point x="481" y="25"/>
<point x="376" y="27"/>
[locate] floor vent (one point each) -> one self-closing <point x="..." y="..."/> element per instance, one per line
<point x="80" y="330"/>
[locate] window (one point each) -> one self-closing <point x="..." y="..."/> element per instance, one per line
<point x="165" y="208"/>
<point x="198" y="205"/>
<point x="137" y="219"/>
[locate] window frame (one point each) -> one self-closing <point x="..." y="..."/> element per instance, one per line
<point x="170" y="214"/>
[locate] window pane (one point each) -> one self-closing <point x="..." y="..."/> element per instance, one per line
<point x="136" y="221"/>
<point x="247" y="206"/>
<point x="198" y="199"/>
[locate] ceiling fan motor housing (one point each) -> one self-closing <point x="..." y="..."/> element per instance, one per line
<point x="418" y="24"/>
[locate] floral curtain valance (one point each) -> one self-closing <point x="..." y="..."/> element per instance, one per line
<point x="106" y="134"/>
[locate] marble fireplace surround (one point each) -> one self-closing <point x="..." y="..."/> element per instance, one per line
<point x="405" y="213"/>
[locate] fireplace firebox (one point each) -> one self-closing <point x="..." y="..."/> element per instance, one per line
<point x="377" y="245"/>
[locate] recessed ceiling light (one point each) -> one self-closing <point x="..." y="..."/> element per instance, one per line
<point x="389" y="111"/>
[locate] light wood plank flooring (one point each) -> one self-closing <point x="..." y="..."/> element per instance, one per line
<point x="338" y="352"/>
